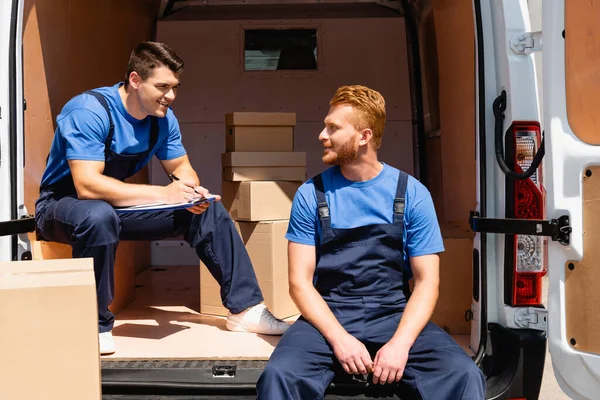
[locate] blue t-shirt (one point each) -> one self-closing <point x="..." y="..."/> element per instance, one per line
<point x="354" y="204"/>
<point x="82" y="129"/>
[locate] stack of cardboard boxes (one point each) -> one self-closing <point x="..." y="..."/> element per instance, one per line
<point x="261" y="174"/>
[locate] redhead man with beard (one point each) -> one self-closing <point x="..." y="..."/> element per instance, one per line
<point x="106" y="135"/>
<point x="354" y="230"/>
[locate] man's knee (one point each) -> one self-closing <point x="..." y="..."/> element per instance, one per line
<point x="100" y="224"/>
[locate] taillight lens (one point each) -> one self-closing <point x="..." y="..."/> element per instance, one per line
<point x="530" y="252"/>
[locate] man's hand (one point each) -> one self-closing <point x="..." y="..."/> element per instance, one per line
<point x="200" y="208"/>
<point x="179" y="191"/>
<point x="389" y="364"/>
<point x="353" y="355"/>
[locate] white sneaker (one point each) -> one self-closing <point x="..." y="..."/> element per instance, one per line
<point x="256" y="319"/>
<point x="107" y="343"/>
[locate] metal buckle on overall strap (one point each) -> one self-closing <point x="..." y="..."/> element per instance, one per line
<point x="323" y="210"/>
<point x="399" y="206"/>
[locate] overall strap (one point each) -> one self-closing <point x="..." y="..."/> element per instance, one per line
<point x="322" y="206"/>
<point x="111" y="131"/>
<point x="399" y="200"/>
<point x="153" y="132"/>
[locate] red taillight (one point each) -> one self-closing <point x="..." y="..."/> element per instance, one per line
<point x="528" y="289"/>
<point x="530" y="253"/>
<point x="529" y="200"/>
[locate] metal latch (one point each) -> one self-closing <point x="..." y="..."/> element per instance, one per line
<point x="532" y="318"/>
<point x="558" y="229"/>
<point x="224" y="371"/>
<point x="527" y="43"/>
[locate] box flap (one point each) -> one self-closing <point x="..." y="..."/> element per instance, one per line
<point x="47" y="266"/>
<point x="46" y="273"/>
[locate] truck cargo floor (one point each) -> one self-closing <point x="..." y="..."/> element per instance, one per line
<point x="164" y="323"/>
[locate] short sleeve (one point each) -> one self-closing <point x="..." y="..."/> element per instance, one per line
<point x="172" y="146"/>
<point x="303" y="219"/>
<point x="423" y="234"/>
<point x="84" y="132"/>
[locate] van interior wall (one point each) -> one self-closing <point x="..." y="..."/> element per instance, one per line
<point x="369" y="51"/>
<point x="448" y="70"/>
<point x="70" y="46"/>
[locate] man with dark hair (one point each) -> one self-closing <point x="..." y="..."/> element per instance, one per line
<point x="106" y="135"/>
<point x="354" y="231"/>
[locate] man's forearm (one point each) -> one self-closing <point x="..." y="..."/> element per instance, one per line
<point x="417" y="313"/>
<point x="316" y="311"/>
<point x="121" y="194"/>
<point x="187" y="173"/>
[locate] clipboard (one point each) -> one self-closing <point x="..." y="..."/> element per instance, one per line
<point x="163" y="206"/>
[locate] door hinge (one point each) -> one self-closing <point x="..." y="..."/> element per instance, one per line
<point x="527" y="43"/>
<point x="532" y="318"/>
<point x="558" y="229"/>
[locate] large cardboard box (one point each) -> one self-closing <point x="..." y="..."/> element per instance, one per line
<point x="259" y="200"/>
<point x="248" y="131"/>
<point x="129" y="259"/>
<point x="49" y="333"/>
<point x="267" y="247"/>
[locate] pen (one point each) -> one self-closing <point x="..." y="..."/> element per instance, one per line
<point x="174" y="178"/>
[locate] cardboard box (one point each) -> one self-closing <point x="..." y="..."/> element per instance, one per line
<point x="242" y="174"/>
<point x="259" y="138"/>
<point x="258" y="200"/>
<point x="456" y="280"/>
<point x="49" y="334"/>
<point x="260" y="119"/>
<point x="248" y="131"/>
<point x="264" y="166"/>
<point x="130" y="257"/>
<point x="267" y="247"/>
<point x="263" y="159"/>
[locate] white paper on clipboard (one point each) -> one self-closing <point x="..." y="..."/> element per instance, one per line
<point x="163" y="206"/>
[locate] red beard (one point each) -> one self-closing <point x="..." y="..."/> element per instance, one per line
<point x="345" y="155"/>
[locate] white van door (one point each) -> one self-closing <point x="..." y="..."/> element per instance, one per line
<point x="571" y="70"/>
<point x="14" y="220"/>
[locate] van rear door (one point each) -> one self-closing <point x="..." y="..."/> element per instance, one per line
<point x="571" y="67"/>
<point x="14" y="221"/>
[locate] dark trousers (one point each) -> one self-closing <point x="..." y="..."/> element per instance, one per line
<point x="303" y="364"/>
<point x="93" y="229"/>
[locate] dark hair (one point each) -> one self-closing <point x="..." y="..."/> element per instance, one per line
<point x="150" y="55"/>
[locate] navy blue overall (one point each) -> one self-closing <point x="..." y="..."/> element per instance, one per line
<point x="359" y="274"/>
<point x="93" y="229"/>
